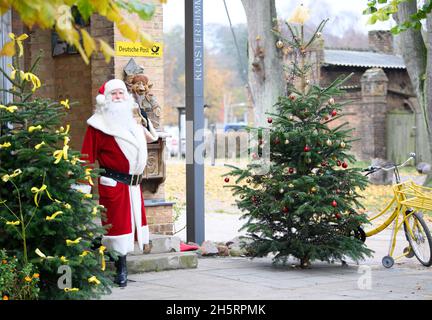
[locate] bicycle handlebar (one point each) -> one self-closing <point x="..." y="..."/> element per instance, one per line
<point x="373" y="169"/>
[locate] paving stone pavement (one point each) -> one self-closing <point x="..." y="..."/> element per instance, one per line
<point x="229" y="278"/>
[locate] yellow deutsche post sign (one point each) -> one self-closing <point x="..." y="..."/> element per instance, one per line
<point x="136" y="49"/>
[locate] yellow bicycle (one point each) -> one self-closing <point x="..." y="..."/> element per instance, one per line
<point x="409" y="202"/>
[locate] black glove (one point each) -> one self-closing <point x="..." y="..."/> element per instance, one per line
<point x="144" y="116"/>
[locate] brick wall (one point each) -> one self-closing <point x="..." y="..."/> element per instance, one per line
<point x="69" y="77"/>
<point x="381" y="41"/>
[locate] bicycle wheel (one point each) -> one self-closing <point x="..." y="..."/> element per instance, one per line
<point x="419" y="238"/>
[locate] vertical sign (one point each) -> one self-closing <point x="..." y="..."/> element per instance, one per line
<point x="194" y="51"/>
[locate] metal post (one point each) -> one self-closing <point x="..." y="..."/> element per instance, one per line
<point x="194" y="50"/>
<point x="5" y="29"/>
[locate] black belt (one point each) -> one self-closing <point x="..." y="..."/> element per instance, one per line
<point x="129" y="179"/>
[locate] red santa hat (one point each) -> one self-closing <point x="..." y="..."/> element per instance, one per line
<point x="106" y="89"/>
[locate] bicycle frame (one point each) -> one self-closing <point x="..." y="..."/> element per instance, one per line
<point x="393" y="218"/>
<point x="404" y="208"/>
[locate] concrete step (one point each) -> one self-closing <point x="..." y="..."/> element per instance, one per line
<point x="160" y="244"/>
<point x="161" y="262"/>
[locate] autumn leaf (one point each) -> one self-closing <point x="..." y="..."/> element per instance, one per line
<point x="8" y="49"/>
<point x="106" y="50"/>
<point x="127" y="30"/>
<point x="89" y="43"/>
<point x="85" y="8"/>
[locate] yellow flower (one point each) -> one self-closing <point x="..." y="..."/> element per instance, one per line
<point x="72" y="242"/>
<point x="10" y="109"/>
<point x="300" y="15"/>
<point x="28" y="279"/>
<point x="5" y="145"/>
<point x="37" y="147"/>
<point x="88" y="195"/>
<point x="36" y="275"/>
<point x="94" y="280"/>
<point x="63" y="259"/>
<point x="65" y="103"/>
<point x="52" y="217"/>
<point x="13" y="223"/>
<point x="71" y="289"/>
<point x="33" y="128"/>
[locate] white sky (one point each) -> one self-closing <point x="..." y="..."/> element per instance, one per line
<point x="342" y="14"/>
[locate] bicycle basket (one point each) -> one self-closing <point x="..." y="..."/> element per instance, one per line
<point x="413" y="195"/>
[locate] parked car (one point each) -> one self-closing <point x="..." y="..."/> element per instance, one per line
<point x="173" y="143"/>
<point x="236" y="126"/>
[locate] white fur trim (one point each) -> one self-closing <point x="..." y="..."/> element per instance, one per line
<point x="152" y="135"/>
<point x="133" y="143"/>
<point x="114" y="84"/>
<point x="122" y="244"/>
<point x="100" y="100"/>
<point x="84" y="188"/>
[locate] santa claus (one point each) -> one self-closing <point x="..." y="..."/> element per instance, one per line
<point x="117" y="138"/>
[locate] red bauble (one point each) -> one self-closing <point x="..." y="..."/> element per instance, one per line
<point x="226" y="179"/>
<point x="276" y="140"/>
<point x="254" y="199"/>
<point x="292" y="97"/>
<point x="269" y="120"/>
<point x="344" y="165"/>
<point x="338" y="163"/>
<point x="307" y="149"/>
<point x="338" y="216"/>
<point x="334" y="203"/>
<point x="323" y="164"/>
<point x="334" y="113"/>
<point x="285" y="209"/>
<point x="291" y="170"/>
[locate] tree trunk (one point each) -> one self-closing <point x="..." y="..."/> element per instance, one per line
<point x="266" y="73"/>
<point x="416" y="56"/>
<point x="428" y="88"/>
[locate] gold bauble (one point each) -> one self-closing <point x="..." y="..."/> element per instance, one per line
<point x="342" y="145"/>
<point x="291" y="185"/>
<point x="329" y="142"/>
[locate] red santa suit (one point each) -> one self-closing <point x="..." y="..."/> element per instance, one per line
<point x="126" y="152"/>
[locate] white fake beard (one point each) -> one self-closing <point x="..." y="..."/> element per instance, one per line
<point x="120" y="113"/>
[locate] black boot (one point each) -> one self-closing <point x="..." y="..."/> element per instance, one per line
<point x="121" y="278"/>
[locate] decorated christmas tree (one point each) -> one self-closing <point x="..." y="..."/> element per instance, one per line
<point x="305" y="204"/>
<point x="44" y="218"/>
